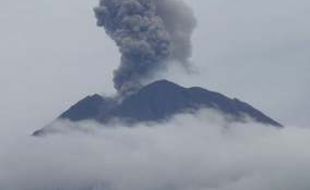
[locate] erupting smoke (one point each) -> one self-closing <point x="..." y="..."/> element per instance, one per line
<point x="149" y="34"/>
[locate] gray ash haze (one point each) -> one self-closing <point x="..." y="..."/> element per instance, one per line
<point x="149" y="34"/>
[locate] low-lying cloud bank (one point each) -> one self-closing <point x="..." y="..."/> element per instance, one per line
<point x="192" y="152"/>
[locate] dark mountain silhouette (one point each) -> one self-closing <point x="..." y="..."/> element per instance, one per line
<point x="158" y="102"/>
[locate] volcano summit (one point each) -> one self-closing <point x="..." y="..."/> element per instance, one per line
<point x="158" y="102"/>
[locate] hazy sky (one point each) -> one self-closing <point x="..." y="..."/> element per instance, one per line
<point x="52" y="55"/>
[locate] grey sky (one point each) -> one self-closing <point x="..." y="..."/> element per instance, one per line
<point x="52" y="55"/>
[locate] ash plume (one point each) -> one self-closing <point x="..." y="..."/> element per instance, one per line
<point x="149" y="35"/>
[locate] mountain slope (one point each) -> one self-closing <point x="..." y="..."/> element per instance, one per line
<point x="158" y="102"/>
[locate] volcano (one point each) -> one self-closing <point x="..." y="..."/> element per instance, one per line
<point x="158" y="102"/>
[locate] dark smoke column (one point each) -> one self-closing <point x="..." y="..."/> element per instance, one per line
<point x="149" y="34"/>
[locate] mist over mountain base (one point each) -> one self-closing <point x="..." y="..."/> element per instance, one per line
<point x="191" y="152"/>
<point x="155" y="104"/>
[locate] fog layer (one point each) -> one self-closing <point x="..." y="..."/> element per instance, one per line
<point x="191" y="152"/>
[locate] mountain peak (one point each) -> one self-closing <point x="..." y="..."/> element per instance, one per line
<point x="163" y="84"/>
<point x="159" y="101"/>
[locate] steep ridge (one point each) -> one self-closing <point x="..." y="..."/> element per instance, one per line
<point x="158" y="102"/>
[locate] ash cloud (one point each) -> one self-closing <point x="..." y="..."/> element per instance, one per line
<point x="191" y="152"/>
<point x="149" y="34"/>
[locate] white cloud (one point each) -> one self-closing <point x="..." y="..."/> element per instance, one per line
<point x="200" y="152"/>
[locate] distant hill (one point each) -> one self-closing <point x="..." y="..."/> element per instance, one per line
<point x="158" y="102"/>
